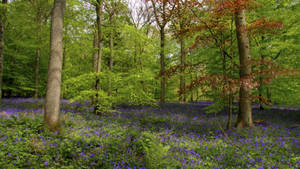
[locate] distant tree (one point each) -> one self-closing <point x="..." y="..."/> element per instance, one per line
<point x="2" y="44"/>
<point x="181" y="21"/>
<point x="162" y="10"/>
<point x="113" y="8"/>
<point x="41" y="11"/>
<point x="52" y="104"/>
<point x="98" y="61"/>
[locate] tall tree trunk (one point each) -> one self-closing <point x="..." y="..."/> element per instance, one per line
<point x="2" y="44"/>
<point x="230" y="99"/>
<point x="95" y="60"/>
<point x="245" y="109"/>
<point x="229" y="120"/>
<point x="52" y="105"/>
<point x="182" y="97"/>
<point x="260" y="89"/>
<point x="38" y="53"/>
<point x="64" y="65"/>
<point x="99" y="13"/>
<point x="162" y="65"/>
<point x="111" y="57"/>
<point x="95" y="54"/>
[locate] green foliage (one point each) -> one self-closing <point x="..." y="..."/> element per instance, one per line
<point x="127" y="88"/>
<point x="155" y="152"/>
<point x="134" y="78"/>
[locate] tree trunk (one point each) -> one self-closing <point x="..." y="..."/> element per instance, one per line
<point x="38" y="53"/>
<point x="269" y="95"/>
<point x="260" y="89"/>
<point x="2" y="44"/>
<point x="162" y="65"/>
<point x="95" y="54"/>
<point x="230" y="108"/>
<point x="192" y="92"/>
<point x="64" y="65"/>
<point x="182" y="97"/>
<point x="99" y="13"/>
<point x="245" y="109"/>
<point x="230" y="99"/>
<point x="52" y="104"/>
<point x="95" y="60"/>
<point x="229" y="120"/>
<point x="111" y="57"/>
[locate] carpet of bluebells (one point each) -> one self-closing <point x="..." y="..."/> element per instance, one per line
<point x="176" y="136"/>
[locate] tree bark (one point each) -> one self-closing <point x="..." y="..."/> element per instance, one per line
<point x="162" y="65"/>
<point x="2" y="44"/>
<point x="52" y="104"/>
<point x="245" y="109"/>
<point x="99" y="13"/>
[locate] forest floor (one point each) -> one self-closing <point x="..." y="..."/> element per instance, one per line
<point x="176" y="136"/>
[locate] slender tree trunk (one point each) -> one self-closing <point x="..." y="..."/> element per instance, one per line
<point x="64" y="66"/>
<point x="38" y="54"/>
<point x="269" y="94"/>
<point x="99" y="13"/>
<point x="224" y="89"/>
<point x="37" y="77"/>
<point x="192" y="92"/>
<point x="100" y="39"/>
<point x="230" y="96"/>
<point x="111" y="57"/>
<point x="230" y="99"/>
<point x="260" y="89"/>
<point x="95" y="60"/>
<point x="182" y="97"/>
<point x="2" y="44"/>
<point x="95" y="54"/>
<point x="162" y="65"/>
<point x="230" y="108"/>
<point x="245" y="109"/>
<point x="52" y="105"/>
